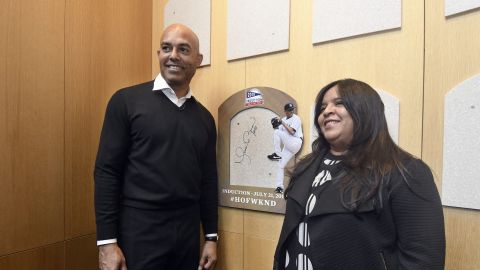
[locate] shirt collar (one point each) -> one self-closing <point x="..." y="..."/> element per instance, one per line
<point x="161" y="85"/>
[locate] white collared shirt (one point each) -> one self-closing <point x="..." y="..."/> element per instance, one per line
<point x="161" y="84"/>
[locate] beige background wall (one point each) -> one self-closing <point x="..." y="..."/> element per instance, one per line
<point x="417" y="63"/>
<point x="60" y="61"/>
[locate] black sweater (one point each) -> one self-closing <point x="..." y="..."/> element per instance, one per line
<point x="154" y="155"/>
<point x="407" y="234"/>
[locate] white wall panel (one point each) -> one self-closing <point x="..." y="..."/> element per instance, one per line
<point x="194" y="14"/>
<point x="457" y="6"/>
<point x="461" y="146"/>
<point x="392" y="113"/>
<point x="340" y="19"/>
<point x="257" y="27"/>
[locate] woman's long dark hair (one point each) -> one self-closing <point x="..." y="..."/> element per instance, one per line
<point x="372" y="154"/>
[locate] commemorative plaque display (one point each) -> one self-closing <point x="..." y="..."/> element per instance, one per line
<point x="245" y="138"/>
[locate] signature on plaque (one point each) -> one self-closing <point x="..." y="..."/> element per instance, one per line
<point x="241" y="151"/>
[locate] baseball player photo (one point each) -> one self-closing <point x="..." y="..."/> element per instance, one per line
<point x="287" y="132"/>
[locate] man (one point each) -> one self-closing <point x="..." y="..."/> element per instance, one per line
<point x="155" y="173"/>
<point x="288" y="132"/>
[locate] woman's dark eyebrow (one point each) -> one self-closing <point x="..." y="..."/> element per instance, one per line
<point x="335" y="99"/>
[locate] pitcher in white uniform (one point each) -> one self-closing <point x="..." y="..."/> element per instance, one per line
<point x="288" y="132"/>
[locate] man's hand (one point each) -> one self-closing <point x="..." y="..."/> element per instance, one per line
<point x="110" y="257"/>
<point x="209" y="256"/>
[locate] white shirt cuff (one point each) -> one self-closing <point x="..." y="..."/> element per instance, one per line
<point x="111" y="241"/>
<point x="105" y="242"/>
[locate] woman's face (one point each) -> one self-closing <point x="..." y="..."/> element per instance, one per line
<point x="335" y="122"/>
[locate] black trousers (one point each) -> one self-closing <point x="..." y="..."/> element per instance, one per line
<point x="160" y="239"/>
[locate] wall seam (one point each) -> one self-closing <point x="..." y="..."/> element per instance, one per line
<point x="423" y="76"/>
<point x="64" y="125"/>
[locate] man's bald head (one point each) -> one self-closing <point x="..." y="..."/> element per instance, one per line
<point x="186" y="31"/>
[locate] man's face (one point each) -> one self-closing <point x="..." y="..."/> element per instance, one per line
<point x="178" y="56"/>
<point x="288" y="114"/>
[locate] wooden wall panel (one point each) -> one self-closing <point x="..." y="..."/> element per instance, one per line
<point x="263" y="225"/>
<point x="451" y="56"/>
<point x="258" y="253"/>
<point x="60" y="62"/>
<point x="463" y="233"/>
<point x="31" y="125"/>
<point x="230" y="219"/>
<point x="81" y="253"/>
<point x="108" y="46"/>
<point x="49" y="257"/>
<point x="230" y="251"/>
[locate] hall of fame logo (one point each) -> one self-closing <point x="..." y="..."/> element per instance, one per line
<point x="253" y="97"/>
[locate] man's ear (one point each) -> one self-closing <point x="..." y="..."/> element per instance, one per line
<point x="199" y="59"/>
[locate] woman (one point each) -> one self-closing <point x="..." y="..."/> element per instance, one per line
<point x="358" y="201"/>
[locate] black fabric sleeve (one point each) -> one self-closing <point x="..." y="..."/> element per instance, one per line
<point x="109" y="167"/>
<point x="418" y="216"/>
<point x="209" y="195"/>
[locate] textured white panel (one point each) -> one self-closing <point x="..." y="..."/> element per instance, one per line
<point x="194" y="14"/>
<point x="257" y="27"/>
<point x="392" y="114"/>
<point x="346" y="18"/>
<point x="313" y="129"/>
<point x="251" y="140"/>
<point x="457" y="6"/>
<point x="461" y="146"/>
